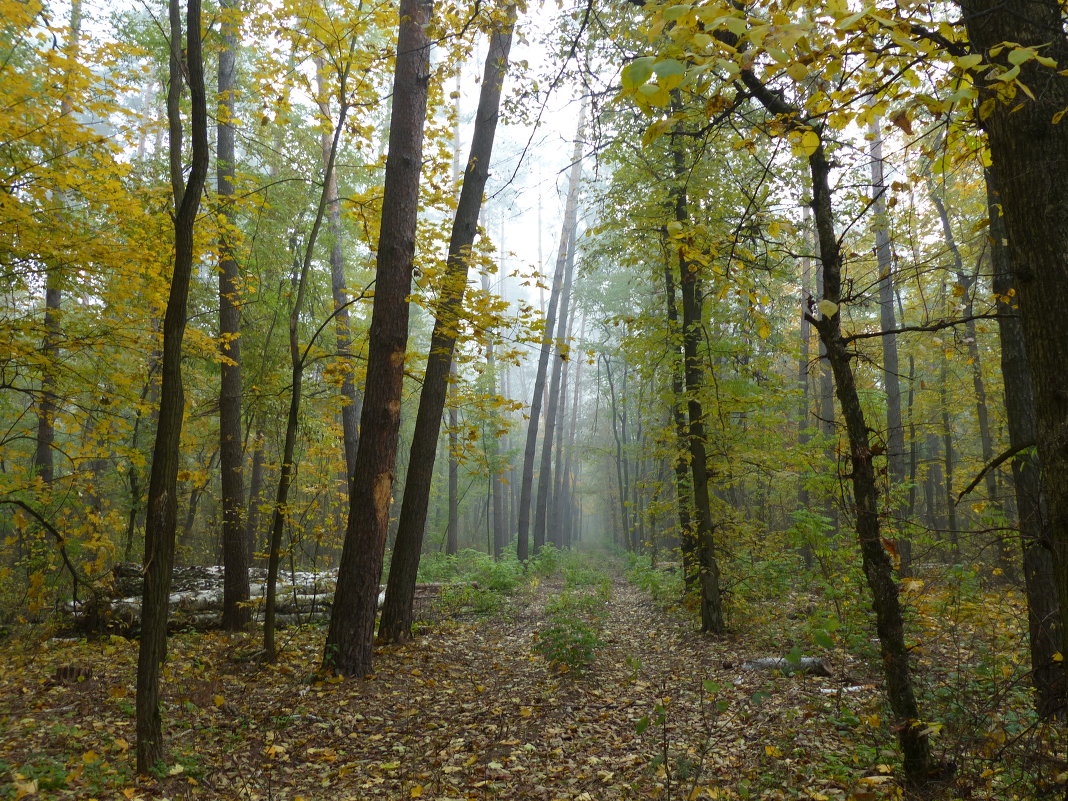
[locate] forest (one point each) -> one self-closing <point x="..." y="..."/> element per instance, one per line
<point x="492" y="400"/>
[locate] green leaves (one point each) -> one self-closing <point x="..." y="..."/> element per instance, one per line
<point x="637" y="72"/>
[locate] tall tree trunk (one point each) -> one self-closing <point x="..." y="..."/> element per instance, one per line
<point x="878" y="568"/>
<point x="683" y="498"/>
<point x="560" y="499"/>
<point x="1027" y="146"/>
<point x="620" y="460"/>
<point x="545" y="475"/>
<point x="1043" y="613"/>
<point x="400" y="588"/>
<point x="712" y="620"/>
<point x="965" y="288"/>
<point x="255" y="497"/>
<point x="236" y="614"/>
<point x="162" y="504"/>
<point x="298" y="288"/>
<point x="280" y="512"/>
<point x="350" y="399"/>
<point x="47" y="402"/>
<point x="570" y="215"/>
<point x="452" y="541"/>
<point x="804" y="406"/>
<point x="895" y="428"/>
<point x="350" y="639"/>
<point x="498" y="487"/>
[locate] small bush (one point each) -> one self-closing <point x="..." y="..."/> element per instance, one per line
<point x="664" y="586"/>
<point x="568" y="642"/>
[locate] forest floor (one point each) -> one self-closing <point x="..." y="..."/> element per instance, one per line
<point x="471" y="708"/>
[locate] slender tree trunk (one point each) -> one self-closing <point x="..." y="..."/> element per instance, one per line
<point x="683" y="497"/>
<point x="878" y="568"/>
<point x="895" y="427"/>
<point x="965" y="289"/>
<point x="545" y="475"/>
<point x="498" y="488"/>
<point x="804" y="408"/>
<point x="350" y="399"/>
<point x="712" y="620"/>
<point x="162" y="504"/>
<point x="236" y="614"/>
<point x="280" y="511"/>
<point x="350" y="639"/>
<point x="1043" y="612"/>
<point x="570" y="215"/>
<point x="452" y="541"/>
<point x="298" y="288"/>
<point x="47" y="403"/>
<point x="255" y="497"/>
<point x="400" y="589"/>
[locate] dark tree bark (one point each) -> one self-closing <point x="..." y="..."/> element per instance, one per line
<point x="397" y="610"/>
<point x="1028" y="147"/>
<point x="878" y="569"/>
<point x="1043" y="612"/>
<point x="350" y="639"/>
<point x="712" y="620"/>
<point x="162" y="504"/>
<point x="236" y="614"/>
<point x="570" y="214"/>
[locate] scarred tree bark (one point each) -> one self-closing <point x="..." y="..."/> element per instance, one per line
<point x="162" y="506"/>
<point x="350" y="639"/>
<point x="400" y="588"/>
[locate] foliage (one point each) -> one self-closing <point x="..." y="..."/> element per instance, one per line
<point x="664" y="585"/>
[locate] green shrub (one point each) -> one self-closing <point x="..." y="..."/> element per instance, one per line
<point x="568" y="642"/>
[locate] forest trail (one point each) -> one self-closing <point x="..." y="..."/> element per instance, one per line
<point x="470" y="709"/>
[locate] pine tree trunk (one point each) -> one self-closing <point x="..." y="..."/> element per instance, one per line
<point x="350" y="639"/>
<point x="162" y="507"/>
<point x="397" y="610"/>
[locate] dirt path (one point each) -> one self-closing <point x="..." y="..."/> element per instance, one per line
<point x="468" y="710"/>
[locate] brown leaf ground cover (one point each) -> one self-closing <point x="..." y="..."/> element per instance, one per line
<point x="469" y="709"/>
